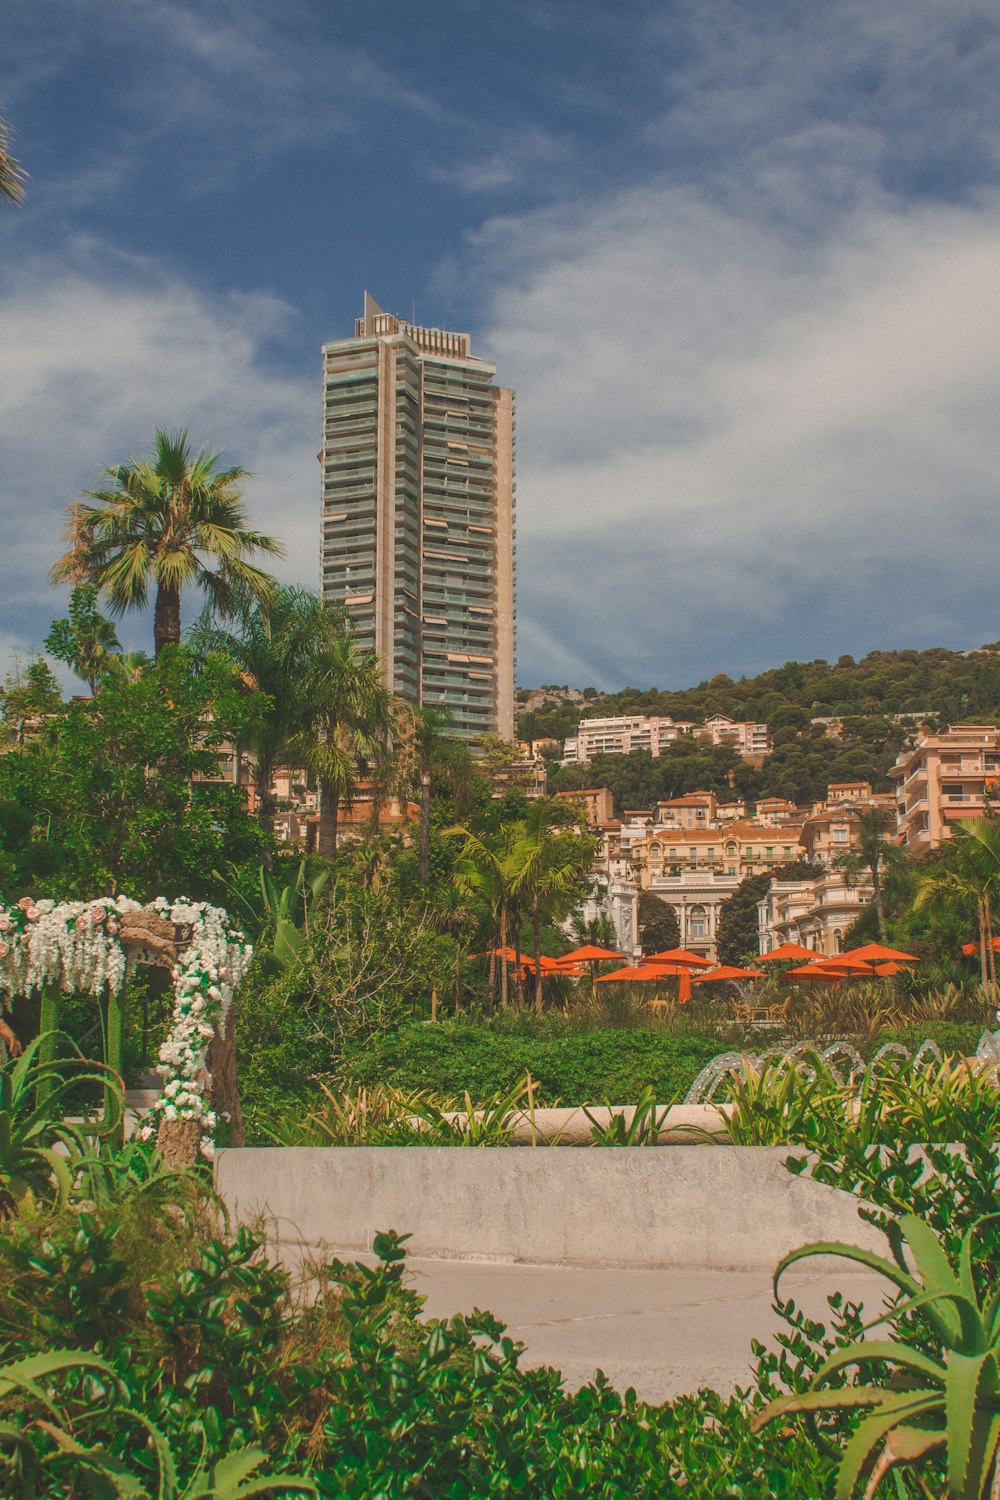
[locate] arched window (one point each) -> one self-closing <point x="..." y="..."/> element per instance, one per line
<point x="697" y="922"/>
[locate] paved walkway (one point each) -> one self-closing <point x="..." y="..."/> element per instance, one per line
<point x="665" y="1332"/>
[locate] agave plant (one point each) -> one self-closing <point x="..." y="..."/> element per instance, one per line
<point x="40" y="1151"/>
<point x="945" y="1400"/>
<point x="643" y="1129"/>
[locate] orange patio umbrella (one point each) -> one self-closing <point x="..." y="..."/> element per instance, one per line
<point x="641" y="973"/>
<point x="970" y="948"/>
<point x="817" y="974"/>
<point x="785" y="953"/>
<point x="592" y="955"/>
<point x="878" y="953"/>
<point x="680" y="956"/>
<point x="727" y="971"/>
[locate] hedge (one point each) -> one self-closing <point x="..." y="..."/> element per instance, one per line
<point x="591" y="1067"/>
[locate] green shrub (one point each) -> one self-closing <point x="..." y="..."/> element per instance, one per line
<point x="589" y="1067"/>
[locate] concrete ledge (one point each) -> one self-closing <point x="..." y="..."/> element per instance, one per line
<point x="721" y="1208"/>
<point x="680" y="1124"/>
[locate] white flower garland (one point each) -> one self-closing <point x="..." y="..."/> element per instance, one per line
<point x="75" y="944"/>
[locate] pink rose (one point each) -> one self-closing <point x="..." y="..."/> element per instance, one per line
<point x="82" y="922"/>
<point x="4" y="949"/>
<point x="5" y="922"/>
<point x="32" y="913"/>
<point x="97" y="914"/>
<point x="112" y="928"/>
<point x="25" y="902"/>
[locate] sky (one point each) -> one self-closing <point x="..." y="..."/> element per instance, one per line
<point x="738" y="261"/>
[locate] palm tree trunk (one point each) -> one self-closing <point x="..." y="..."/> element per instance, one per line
<point x="503" y="958"/>
<point x="266" y="805"/>
<point x="983" y="971"/>
<point x="326" y="835"/>
<point x="991" y="957"/>
<point x="536" y="925"/>
<point x="878" y="903"/>
<point x="166" y="617"/>
<point x="425" y="827"/>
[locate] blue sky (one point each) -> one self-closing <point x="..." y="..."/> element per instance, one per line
<point x="738" y="261"/>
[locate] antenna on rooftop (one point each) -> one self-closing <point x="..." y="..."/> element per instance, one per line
<point x="413" y="311"/>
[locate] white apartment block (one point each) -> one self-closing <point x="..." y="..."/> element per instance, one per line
<point x="620" y="736"/>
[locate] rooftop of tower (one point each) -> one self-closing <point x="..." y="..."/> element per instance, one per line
<point x="376" y="322"/>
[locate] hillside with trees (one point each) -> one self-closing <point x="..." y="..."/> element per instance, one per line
<point x="949" y="685"/>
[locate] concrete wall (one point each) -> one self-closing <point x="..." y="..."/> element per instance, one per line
<point x="714" y="1207"/>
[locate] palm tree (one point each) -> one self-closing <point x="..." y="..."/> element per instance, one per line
<point x="973" y="877"/>
<point x="163" y="524"/>
<point x="486" y="870"/>
<point x="279" y="651"/>
<point x="346" y="727"/>
<point x="872" y="856"/>
<point x="552" y="866"/>
<point x="12" y="174"/>
<point x="426" y="757"/>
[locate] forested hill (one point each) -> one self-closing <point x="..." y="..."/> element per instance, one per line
<point x="948" y="685"/>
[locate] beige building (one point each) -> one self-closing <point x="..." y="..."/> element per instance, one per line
<point x="620" y="736"/>
<point x="815" y="913"/>
<point x="753" y="741"/>
<point x="943" y="778"/>
<point x="418" y="514"/>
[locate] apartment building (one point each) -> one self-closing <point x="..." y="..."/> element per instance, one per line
<point x="943" y="778"/>
<point x="815" y="913"/>
<point x="620" y="736"/>
<point x="418" y="514"/>
<point x="753" y="741"/>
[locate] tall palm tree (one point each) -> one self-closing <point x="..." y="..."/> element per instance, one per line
<point x="426" y="757"/>
<point x="12" y="174"/>
<point x="486" y="870"/>
<point x="166" y="523"/>
<point x="872" y="856"/>
<point x="972" y="877"/>
<point x="552" y="869"/>
<point x="346" y="730"/>
<point x="279" y="650"/>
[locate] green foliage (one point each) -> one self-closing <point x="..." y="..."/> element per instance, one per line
<point x="29" y="698"/>
<point x="86" y="641"/>
<point x="40" y="1151"/>
<point x="949" y="1402"/>
<point x="801" y="1101"/>
<point x="128" y="795"/>
<point x="642" y="1129"/>
<point x="659" y="928"/>
<point x="582" y="1068"/>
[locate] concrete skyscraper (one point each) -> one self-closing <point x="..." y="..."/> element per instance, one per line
<point x="418" y="514"/>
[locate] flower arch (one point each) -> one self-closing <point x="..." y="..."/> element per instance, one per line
<point x="83" y="946"/>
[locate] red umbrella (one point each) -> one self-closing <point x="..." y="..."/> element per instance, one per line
<point x="878" y="953"/>
<point x="590" y="954"/>
<point x="680" y="956"/>
<point x="846" y="966"/>
<point x="787" y="951"/>
<point x="640" y="973"/>
<point x="727" y="971"/>
<point x="817" y="973"/>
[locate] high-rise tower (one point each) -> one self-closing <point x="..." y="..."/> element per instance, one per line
<point x="418" y="514"/>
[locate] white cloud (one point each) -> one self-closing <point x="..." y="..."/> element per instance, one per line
<point x="750" y="436"/>
<point x="92" y="361"/>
